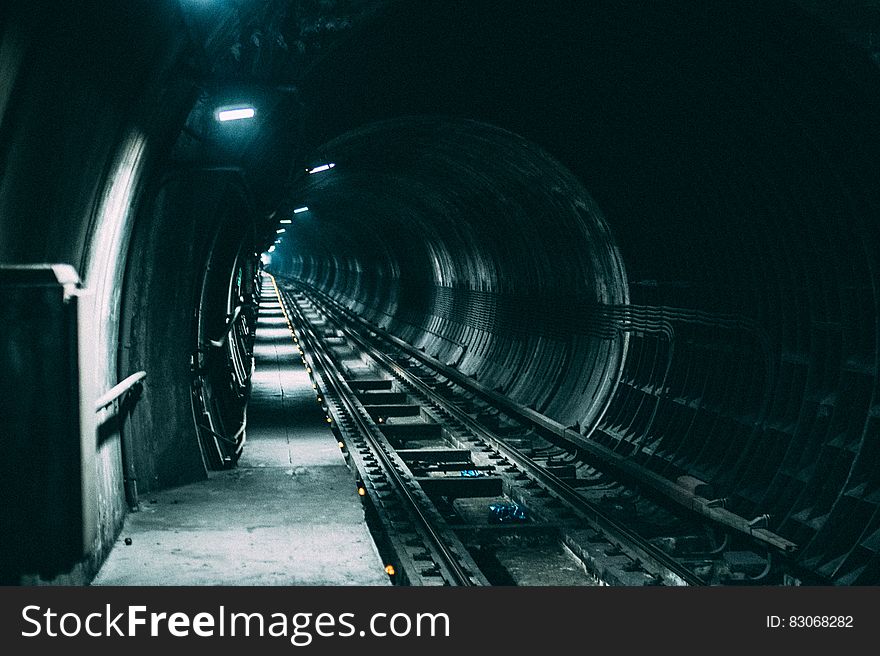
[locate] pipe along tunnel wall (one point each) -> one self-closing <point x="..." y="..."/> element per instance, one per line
<point x="658" y="223"/>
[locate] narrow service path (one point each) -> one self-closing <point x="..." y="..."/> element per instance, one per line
<point x="288" y="514"/>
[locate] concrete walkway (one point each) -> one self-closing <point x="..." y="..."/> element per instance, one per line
<point x="288" y="514"/>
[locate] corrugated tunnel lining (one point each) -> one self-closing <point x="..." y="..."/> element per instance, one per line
<point x="450" y="232"/>
<point x="732" y="166"/>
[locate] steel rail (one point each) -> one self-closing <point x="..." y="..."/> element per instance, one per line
<point x="548" y="479"/>
<point x="343" y="392"/>
<point x="622" y="467"/>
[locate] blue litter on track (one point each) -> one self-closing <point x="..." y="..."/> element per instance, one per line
<point x="503" y="513"/>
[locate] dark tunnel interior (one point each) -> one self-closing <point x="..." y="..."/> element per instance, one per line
<point x="653" y="223"/>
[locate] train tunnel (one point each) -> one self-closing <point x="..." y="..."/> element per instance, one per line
<point x="652" y="224"/>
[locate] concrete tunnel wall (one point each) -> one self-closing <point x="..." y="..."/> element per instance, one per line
<point x="88" y="119"/>
<point x="723" y="158"/>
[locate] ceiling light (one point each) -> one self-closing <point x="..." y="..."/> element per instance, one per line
<point x="235" y="113"/>
<point x="323" y="167"/>
<point x="300" y="210"/>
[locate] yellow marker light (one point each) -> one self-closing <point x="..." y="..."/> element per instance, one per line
<point x="389" y="570"/>
<point x="362" y="491"/>
<point x="309" y="369"/>
<point x="341" y="445"/>
<point x="329" y="421"/>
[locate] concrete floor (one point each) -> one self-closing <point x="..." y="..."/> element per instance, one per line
<point x="287" y="515"/>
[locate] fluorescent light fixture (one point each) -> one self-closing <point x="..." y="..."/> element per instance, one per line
<point x="272" y="248"/>
<point x="323" y="167"/>
<point x="285" y="221"/>
<point x="280" y="230"/>
<point x="300" y="210"/>
<point x="235" y="113"/>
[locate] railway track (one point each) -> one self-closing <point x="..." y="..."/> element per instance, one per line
<point x="460" y="491"/>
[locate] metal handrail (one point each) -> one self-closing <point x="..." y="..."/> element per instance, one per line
<point x="218" y="343"/>
<point x="118" y="390"/>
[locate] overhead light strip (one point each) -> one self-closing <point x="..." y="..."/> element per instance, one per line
<point x="235" y="114"/>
